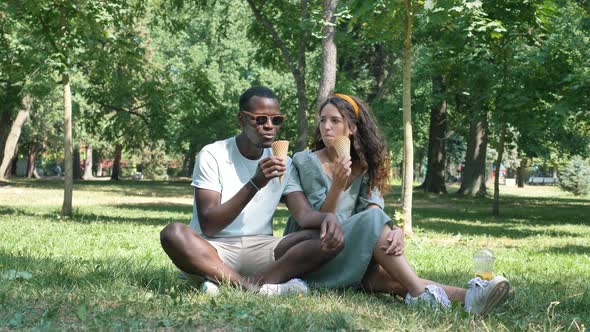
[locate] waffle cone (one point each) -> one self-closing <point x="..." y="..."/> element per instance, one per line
<point x="280" y="149"/>
<point x="342" y="146"/>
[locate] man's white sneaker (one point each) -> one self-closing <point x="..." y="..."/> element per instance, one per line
<point x="433" y="295"/>
<point x="483" y="296"/>
<point x="210" y="288"/>
<point x="293" y="286"/>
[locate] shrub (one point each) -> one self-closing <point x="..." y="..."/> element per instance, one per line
<point x="575" y="177"/>
<point x="154" y="162"/>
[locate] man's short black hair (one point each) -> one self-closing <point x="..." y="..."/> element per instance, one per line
<point x="255" y="91"/>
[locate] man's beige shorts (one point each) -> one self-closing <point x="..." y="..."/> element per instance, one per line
<point x="246" y="255"/>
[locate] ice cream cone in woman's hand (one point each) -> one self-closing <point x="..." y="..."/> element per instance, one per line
<point x="342" y="146"/>
<point x="280" y="149"/>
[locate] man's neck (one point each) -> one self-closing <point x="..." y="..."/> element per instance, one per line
<point x="247" y="148"/>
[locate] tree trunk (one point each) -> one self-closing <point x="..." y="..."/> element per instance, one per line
<point x="434" y="181"/>
<point x="14" y="135"/>
<point x="88" y="163"/>
<point x="191" y="158"/>
<point x="184" y="171"/>
<point x="521" y="173"/>
<point x="191" y="164"/>
<point x="66" y="209"/>
<point x="328" y="76"/>
<point x="301" y="142"/>
<point x="32" y="158"/>
<point x="99" y="168"/>
<point x="13" y="165"/>
<point x="496" y="204"/>
<point x="408" y="162"/>
<point x="76" y="163"/>
<point x="299" y="73"/>
<point x="473" y="175"/>
<point x="379" y="63"/>
<point x="117" y="162"/>
<point x="6" y="119"/>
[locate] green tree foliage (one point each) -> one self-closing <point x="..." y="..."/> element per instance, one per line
<point x="154" y="162"/>
<point x="575" y="177"/>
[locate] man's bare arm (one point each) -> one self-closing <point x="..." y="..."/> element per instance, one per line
<point x="330" y="229"/>
<point x="302" y="211"/>
<point x="214" y="216"/>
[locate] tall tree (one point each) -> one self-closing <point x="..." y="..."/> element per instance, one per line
<point x="88" y="163"/>
<point x="328" y="77"/>
<point x="69" y="31"/>
<point x="473" y="173"/>
<point x="293" y="54"/>
<point x="408" y="161"/>
<point x="14" y="135"/>
<point x="434" y="181"/>
<point x="66" y="209"/>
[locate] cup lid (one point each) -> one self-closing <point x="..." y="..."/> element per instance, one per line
<point x="484" y="253"/>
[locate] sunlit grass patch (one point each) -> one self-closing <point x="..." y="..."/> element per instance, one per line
<point x="103" y="268"/>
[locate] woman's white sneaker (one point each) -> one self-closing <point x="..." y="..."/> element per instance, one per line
<point x="483" y="296"/>
<point x="433" y="295"/>
<point x="210" y="288"/>
<point x="293" y="286"/>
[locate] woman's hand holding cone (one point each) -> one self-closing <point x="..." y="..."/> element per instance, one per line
<point x="341" y="170"/>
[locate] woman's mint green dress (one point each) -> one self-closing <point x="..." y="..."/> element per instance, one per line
<point x="362" y="227"/>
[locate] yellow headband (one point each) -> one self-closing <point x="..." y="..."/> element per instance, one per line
<point x="351" y="102"/>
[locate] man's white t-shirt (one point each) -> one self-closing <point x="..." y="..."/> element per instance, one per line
<point x="222" y="168"/>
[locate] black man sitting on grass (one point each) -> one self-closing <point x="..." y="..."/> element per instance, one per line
<point x="237" y="191"/>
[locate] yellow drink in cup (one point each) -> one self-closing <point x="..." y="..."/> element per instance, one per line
<point x="484" y="275"/>
<point x="484" y="264"/>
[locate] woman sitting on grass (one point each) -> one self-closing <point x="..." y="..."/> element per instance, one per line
<point x="350" y="187"/>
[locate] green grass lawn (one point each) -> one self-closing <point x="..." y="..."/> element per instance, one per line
<point x="104" y="268"/>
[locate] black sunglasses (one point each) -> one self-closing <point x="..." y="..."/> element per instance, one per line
<point x="276" y="120"/>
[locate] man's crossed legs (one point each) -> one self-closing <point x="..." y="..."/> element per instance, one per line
<point x="294" y="255"/>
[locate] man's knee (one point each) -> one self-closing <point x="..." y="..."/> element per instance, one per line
<point x="307" y="234"/>
<point x="172" y="234"/>
<point x="181" y="243"/>
<point x="331" y="253"/>
<point x="321" y="251"/>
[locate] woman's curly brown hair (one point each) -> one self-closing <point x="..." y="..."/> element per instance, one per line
<point x="369" y="147"/>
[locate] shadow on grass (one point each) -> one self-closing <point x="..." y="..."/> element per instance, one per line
<point x="157" y="207"/>
<point x="437" y="213"/>
<point x="134" y="284"/>
<point x="570" y="249"/>
<point x="122" y="187"/>
<point x="67" y="272"/>
<point x="123" y="214"/>
<point x="472" y="222"/>
<point x="9" y="211"/>
<point x="496" y="230"/>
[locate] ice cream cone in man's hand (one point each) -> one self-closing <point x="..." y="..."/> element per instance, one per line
<point x="342" y="146"/>
<point x="280" y="149"/>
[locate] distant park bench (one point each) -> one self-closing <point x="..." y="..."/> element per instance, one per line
<point x="542" y="180"/>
